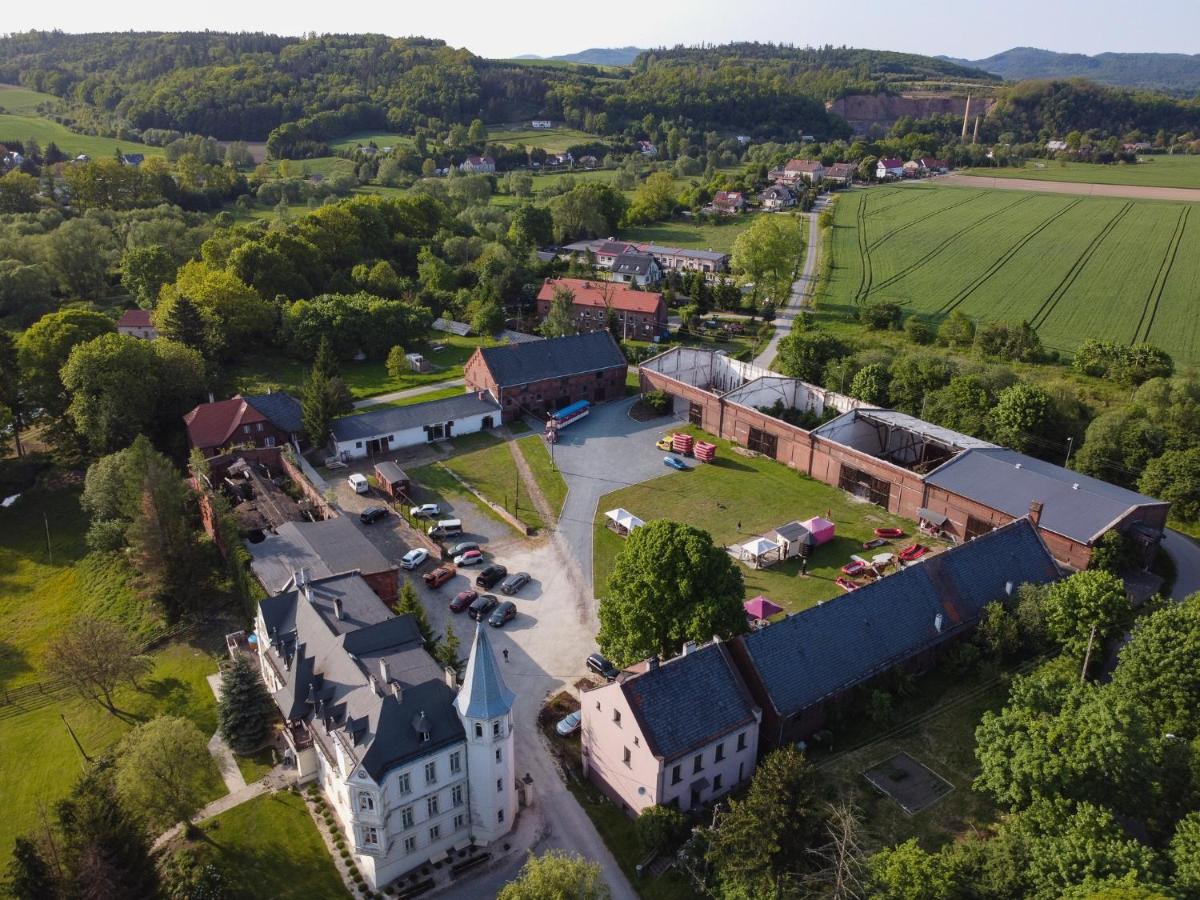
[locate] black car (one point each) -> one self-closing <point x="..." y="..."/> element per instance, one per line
<point x="373" y="514"/>
<point x="481" y="607"/>
<point x="488" y="578"/>
<point x="502" y="613"/>
<point x="601" y="666"/>
<point x="514" y="583"/>
<point x="460" y="549"/>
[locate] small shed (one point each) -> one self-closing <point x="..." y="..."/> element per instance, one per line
<point x="418" y="363"/>
<point x="622" y="521"/>
<point x="392" y="479"/>
<point x="791" y="538"/>
<point x="760" y="552"/>
<point x="822" y="530"/>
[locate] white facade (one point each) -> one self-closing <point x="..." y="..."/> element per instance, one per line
<point x="359" y="448"/>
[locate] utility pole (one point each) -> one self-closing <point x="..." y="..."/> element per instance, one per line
<point x="1087" y="657"/>
<point x="1070" y="444"/>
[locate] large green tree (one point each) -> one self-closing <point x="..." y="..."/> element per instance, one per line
<point x="557" y="875"/>
<point x="1175" y="477"/>
<point x="43" y="349"/>
<point x="95" y="657"/>
<point x="1023" y="417"/>
<point x="670" y="584"/>
<point x="1085" y="600"/>
<point x="805" y="354"/>
<point x="163" y="770"/>
<point x="766" y="255"/>
<point x="1159" y="669"/>
<point x="245" y="713"/>
<point x="560" y="318"/>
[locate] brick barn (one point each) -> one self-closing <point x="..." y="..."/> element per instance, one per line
<point x="642" y="315"/>
<point x="543" y="376"/>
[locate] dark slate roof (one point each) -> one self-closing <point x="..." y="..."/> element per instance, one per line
<point x="361" y="680"/>
<point x="1074" y="505"/>
<point x="633" y="264"/>
<point x="390" y="471"/>
<point x="281" y="408"/>
<point x="792" y="531"/>
<point x="392" y="419"/>
<point x="516" y="364"/>
<point x="689" y="701"/>
<point x="324" y="548"/>
<point x="826" y="649"/>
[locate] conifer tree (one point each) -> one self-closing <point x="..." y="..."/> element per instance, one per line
<point x="409" y="604"/>
<point x="246" y="712"/>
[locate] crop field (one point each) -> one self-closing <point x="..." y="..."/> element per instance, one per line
<point x="24" y="128"/>
<point x="1074" y="267"/>
<point x="1179" y="171"/>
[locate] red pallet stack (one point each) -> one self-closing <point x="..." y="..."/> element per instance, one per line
<point x="705" y="452"/>
<point x="682" y="443"/>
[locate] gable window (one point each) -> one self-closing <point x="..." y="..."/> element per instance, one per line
<point x="431" y="805"/>
<point x="406" y="817"/>
<point x="698" y="762"/>
<point x="405" y="784"/>
<point x="366" y="803"/>
<point x="455" y="762"/>
<point x="625" y="755"/>
<point x="720" y="754"/>
<point x="431" y="773"/>
<point x="410" y="844"/>
<point x="676" y="775"/>
<point x="742" y="741"/>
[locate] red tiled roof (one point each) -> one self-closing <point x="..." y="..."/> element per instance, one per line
<point x="135" y="318"/>
<point x="892" y="163"/>
<point x="728" y="197"/>
<point x="213" y="424"/>
<point x="592" y="293"/>
<point x="803" y="165"/>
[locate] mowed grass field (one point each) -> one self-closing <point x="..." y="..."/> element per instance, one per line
<point x="1179" y="171"/>
<point x="692" y="235"/>
<point x="31" y="127"/>
<point x="1074" y="267"/>
<point x="22" y="101"/>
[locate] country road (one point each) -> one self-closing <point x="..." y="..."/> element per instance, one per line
<point x="801" y="287"/>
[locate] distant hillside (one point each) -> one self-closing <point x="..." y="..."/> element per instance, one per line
<point x="1176" y="73"/>
<point x="593" y="56"/>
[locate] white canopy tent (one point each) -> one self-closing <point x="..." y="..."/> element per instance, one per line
<point x="622" y="521"/>
<point x="760" y="552"/>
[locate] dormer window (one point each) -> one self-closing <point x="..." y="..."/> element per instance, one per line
<point x="366" y="803"/>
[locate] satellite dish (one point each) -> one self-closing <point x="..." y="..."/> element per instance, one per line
<point x="641" y="791"/>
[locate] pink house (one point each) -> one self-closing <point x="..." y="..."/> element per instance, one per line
<point x="677" y="733"/>
<point x="137" y="323"/>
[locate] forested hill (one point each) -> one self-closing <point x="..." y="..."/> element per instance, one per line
<point x="1176" y="73"/>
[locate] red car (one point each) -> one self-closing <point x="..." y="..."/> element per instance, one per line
<point x="439" y="576"/>
<point x="462" y="600"/>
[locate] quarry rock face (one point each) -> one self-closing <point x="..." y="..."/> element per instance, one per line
<point x="863" y="111"/>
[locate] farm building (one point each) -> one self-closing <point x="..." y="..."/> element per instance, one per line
<point x="383" y="430"/>
<point x="542" y="376"/>
<point x="604" y="252"/>
<point x="393" y="480"/>
<point x="642" y="315"/>
<point x="137" y="323"/>
<point x="841" y="173"/>
<point x="798" y="667"/>
<point x="912" y="468"/>
<point x="264" y="420"/>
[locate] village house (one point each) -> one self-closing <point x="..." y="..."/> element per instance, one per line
<point x="680" y="733"/>
<point x="382" y="430"/>
<point x="263" y="420"/>
<point x="604" y="252"/>
<point x="541" y="124"/>
<point x="478" y="165"/>
<point x="1056" y="146"/>
<point x="776" y="197"/>
<point x="799" y="668"/>
<point x="842" y="174"/>
<point x="641" y="315"/>
<point x="912" y="169"/>
<point x="543" y="376"/>
<point x="1137" y="146"/>
<point x="889" y="168"/>
<point x="728" y="202"/>
<point x="412" y="768"/>
<point x="957" y="485"/>
<point x="137" y="323"/>
<point x="803" y="170"/>
<point x="133" y="159"/>
<point x="636" y="268"/>
<point x="647" y="149"/>
<point x="931" y="166"/>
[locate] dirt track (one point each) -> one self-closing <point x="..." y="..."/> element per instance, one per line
<point x="1130" y="191"/>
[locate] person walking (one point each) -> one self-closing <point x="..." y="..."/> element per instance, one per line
<point x="505" y="652"/>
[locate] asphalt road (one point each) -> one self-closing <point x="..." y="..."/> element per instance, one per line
<point x="800" y="289"/>
<point x="1186" y="555"/>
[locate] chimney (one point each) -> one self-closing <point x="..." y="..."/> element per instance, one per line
<point x="374" y="685"/>
<point x="397" y="691"/>
<point x="937" y="622"/>
<point x="383" y="671"/>
<point x="689" y="647"/>
<point x="337" y="608"/>
<point x="1035" y="513"/>
<point x="451" y="678"/>
<point x="651" y="663"/>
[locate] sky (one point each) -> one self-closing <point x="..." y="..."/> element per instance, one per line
<point x="967" y="28"/>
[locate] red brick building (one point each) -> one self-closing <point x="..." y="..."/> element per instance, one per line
<point x="267" y="420"/>
<point x="642" y="315"/>
<point x="540" y="377"/>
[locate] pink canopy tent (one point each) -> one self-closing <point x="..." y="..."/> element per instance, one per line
<point x="822" y="530"/>
<point x="761" y="608"/>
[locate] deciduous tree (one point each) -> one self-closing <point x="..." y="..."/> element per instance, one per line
<point x="557" y="874"/>
<point x="95" y="657"/>
<point x="163" y="770"/>
<point x="560" y="318"/>
<point x="44" y="348"/>
<point x="1086" y="599"/>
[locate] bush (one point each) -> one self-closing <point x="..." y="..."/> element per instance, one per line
<point x="660" y="828"/>
<point x="658" y="401"/>
<point x="880" y="316"/>
<point x="962" y="660"/>
<point x="880" y="707"/>
<point x="918" y="330"/>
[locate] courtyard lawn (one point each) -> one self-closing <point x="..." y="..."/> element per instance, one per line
<point x="439" y="394"/>
<point x="739" y="497"/>
<point x="548" y="478"/>
<point x="33" y="127"/>
<point x="692" y="235"/>
<point x="493" y="472"/>
<point x="1153" y="170"/>
<point x="270" y="847"/>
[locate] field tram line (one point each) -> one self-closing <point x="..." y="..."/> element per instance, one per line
<point x="911" y="267"/>
<point x="882" y="195"/>
<point x="954" y="302"/>
<point x="864" y="253"/>
<point x="917" y="221"/>
<point x="1164" y="273"/>
<point x="1048" y="305"/>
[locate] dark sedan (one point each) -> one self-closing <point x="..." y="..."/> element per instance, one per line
<point x="514" y="583"/>
<point x="502" y="613"/>
<point x="482" y="606"/>
<point x="372" y="514"/>
<point x="490" y="576"/>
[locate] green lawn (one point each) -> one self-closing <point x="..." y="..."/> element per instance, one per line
<point x="440" y="394"/>
<point x="718" y="237"/>
<point x="271" y="849"/>
<point x="1181" y="170"/>
<point x="26" y="127"/>
<point x="381" y="138"/>
<point x="256" y="765"/>
<point x="268" y="371"/>
<point x="760" y="494"/>
<point x="548" y="478"/>
<point x="493" y="472"/>
<point x="553" y="140"/>
<point x="22" y="101"/>
<point x="1074" y="267"/>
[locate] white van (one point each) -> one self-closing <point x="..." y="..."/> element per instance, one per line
<point x="445" y="528"/>
<point x="359" y="483"/>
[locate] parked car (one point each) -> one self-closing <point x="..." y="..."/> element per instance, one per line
<point x="514" y="583"/>
<point x="502" y="613"/>
<point x="413" y="558"/>
<point x="439" y="576"/>
<point x="372" y="514"/>
<point x="358" y="483"/>
<point x="462" y="600"/>
<point x="459" y="549"/>
<point x="444" y="528"/>
<point x="675" y="463"/>
<point x="470" y="558"/>
<point x="664" y="443"/>
<point x="424" y="511"/>
<point x="483" y="605"/>
<point x="601" y="666"/>
<point x="569" y="724"/>
<point x="490" y="576"/>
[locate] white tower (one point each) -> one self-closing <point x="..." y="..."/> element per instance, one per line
<point x="484" y="704"/>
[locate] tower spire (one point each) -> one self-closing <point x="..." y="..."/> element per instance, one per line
<point x="483" y="695"/>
